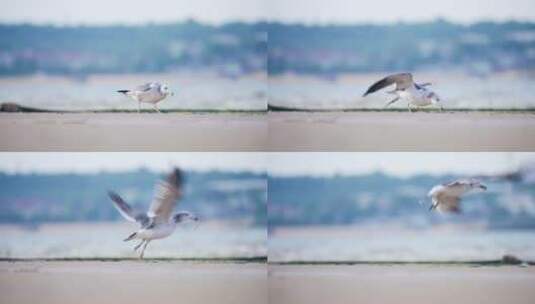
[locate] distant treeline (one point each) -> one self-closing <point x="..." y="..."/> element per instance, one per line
<point x="35" y="198"/>
<point x="237" y="48"/>
<point x="379" y="199"/>
<point x="329" y="49"/>
<point x="233" y="48"/>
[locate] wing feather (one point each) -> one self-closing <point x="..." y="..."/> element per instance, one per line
<point x="402" y="81"/>
<point x="144" y="87"/>
<point x="126" y="210"/>
<point x="166" y="195"/>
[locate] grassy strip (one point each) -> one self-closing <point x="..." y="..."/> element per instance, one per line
<point x="273" y="108"/>
<point x="392" y="263"/>
<point x="257" y="259"/>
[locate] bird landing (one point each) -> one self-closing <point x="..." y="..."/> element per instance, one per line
<point x="415" y="94"/>
<point x="159" y="221"/>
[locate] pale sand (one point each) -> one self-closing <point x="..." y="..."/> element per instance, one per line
<point x="132" y="282"/>
<point x="132" y="132"/>
<point x="401" y="284"/>
<point x="401" y="131"/>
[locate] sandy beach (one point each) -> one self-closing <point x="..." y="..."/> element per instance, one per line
<point x="132" y="282"/>
<point x="400" y="284"/>
<point x="401" y="131"/>
<point x="132" y="132"/>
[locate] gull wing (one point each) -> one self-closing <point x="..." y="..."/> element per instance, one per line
<point x="402" y="81"/>
<point x="144" y="87"/>
<point x="127" y="211"/>
<point x="459" y="182"/>
<point x="166" y="195"/>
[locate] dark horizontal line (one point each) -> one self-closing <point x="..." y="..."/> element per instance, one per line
<point x="275" y="108"/>
<point x="256" y="259"/>
<point x="386" y="263"/>
<point x="16" y="108"/>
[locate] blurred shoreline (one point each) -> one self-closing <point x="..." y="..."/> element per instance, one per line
<point x="211" y="241"/>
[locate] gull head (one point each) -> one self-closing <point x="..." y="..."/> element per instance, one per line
<point x="478" y="185"/>
<point x="164" y="89"/>
<point x="185" y="216"/>
<point x="474" y="185"/>
<point x="433" y="97"/>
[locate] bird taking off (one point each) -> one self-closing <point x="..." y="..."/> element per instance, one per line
<point x="406" y="89"/>
<point x="159" y="221"/>
<point x="152" y="92"/>
<point x="447" y="197"/>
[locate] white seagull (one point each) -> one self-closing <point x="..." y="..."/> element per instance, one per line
<point x="158" y="222"/>
<point x="406" y="89"/>
<point x="447" y="197"/>
<point x="152" y="92"/>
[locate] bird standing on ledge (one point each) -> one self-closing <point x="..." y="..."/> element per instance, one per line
<point x="152" y="92"/>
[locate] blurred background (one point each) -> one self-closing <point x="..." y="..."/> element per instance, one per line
<point x="65" y="55"/>
<point x="374" y="207"/>
<point x="477" y="54"/>
<point x="60" y="54"/>
<point x="55" y="205"/>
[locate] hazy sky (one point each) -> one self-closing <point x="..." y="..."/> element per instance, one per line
<point x="93" y="162"/>
<point x="400" y="164"/>
<point x="219" y="11"/>
<point x="381" y="11"/>
<point x="129" y="11"/>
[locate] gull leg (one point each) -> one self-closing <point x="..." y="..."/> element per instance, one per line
<point x="409" y="107"/>
<point x="143" y="249"/>
<point x="434" y="205"/>
<point x="156" y="108"/>
<point x="139" y="245"/>
<point x="139" y="106"/>
<point x="391" y="102"/>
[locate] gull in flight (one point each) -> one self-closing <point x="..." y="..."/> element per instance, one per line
<point x="159" y="222"/>
<point x="151" y="92"/>
<point x="414" y="93"/>
<point x="447" y="197"/>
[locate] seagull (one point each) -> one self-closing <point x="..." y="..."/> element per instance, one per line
<point x="151" y="92"/>
<point x="158" y="222"/>
<point x="447" y="197"/>
<point x="407" y="89"/>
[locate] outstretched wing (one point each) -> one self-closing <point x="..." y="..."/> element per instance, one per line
<point x="166" y="195"/>
<point x="127" y="211"/>
<point x="402" y="81"/>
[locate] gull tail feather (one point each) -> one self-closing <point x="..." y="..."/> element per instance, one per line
<point x="130" y="237"/>
<point x="123" y="91"/>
